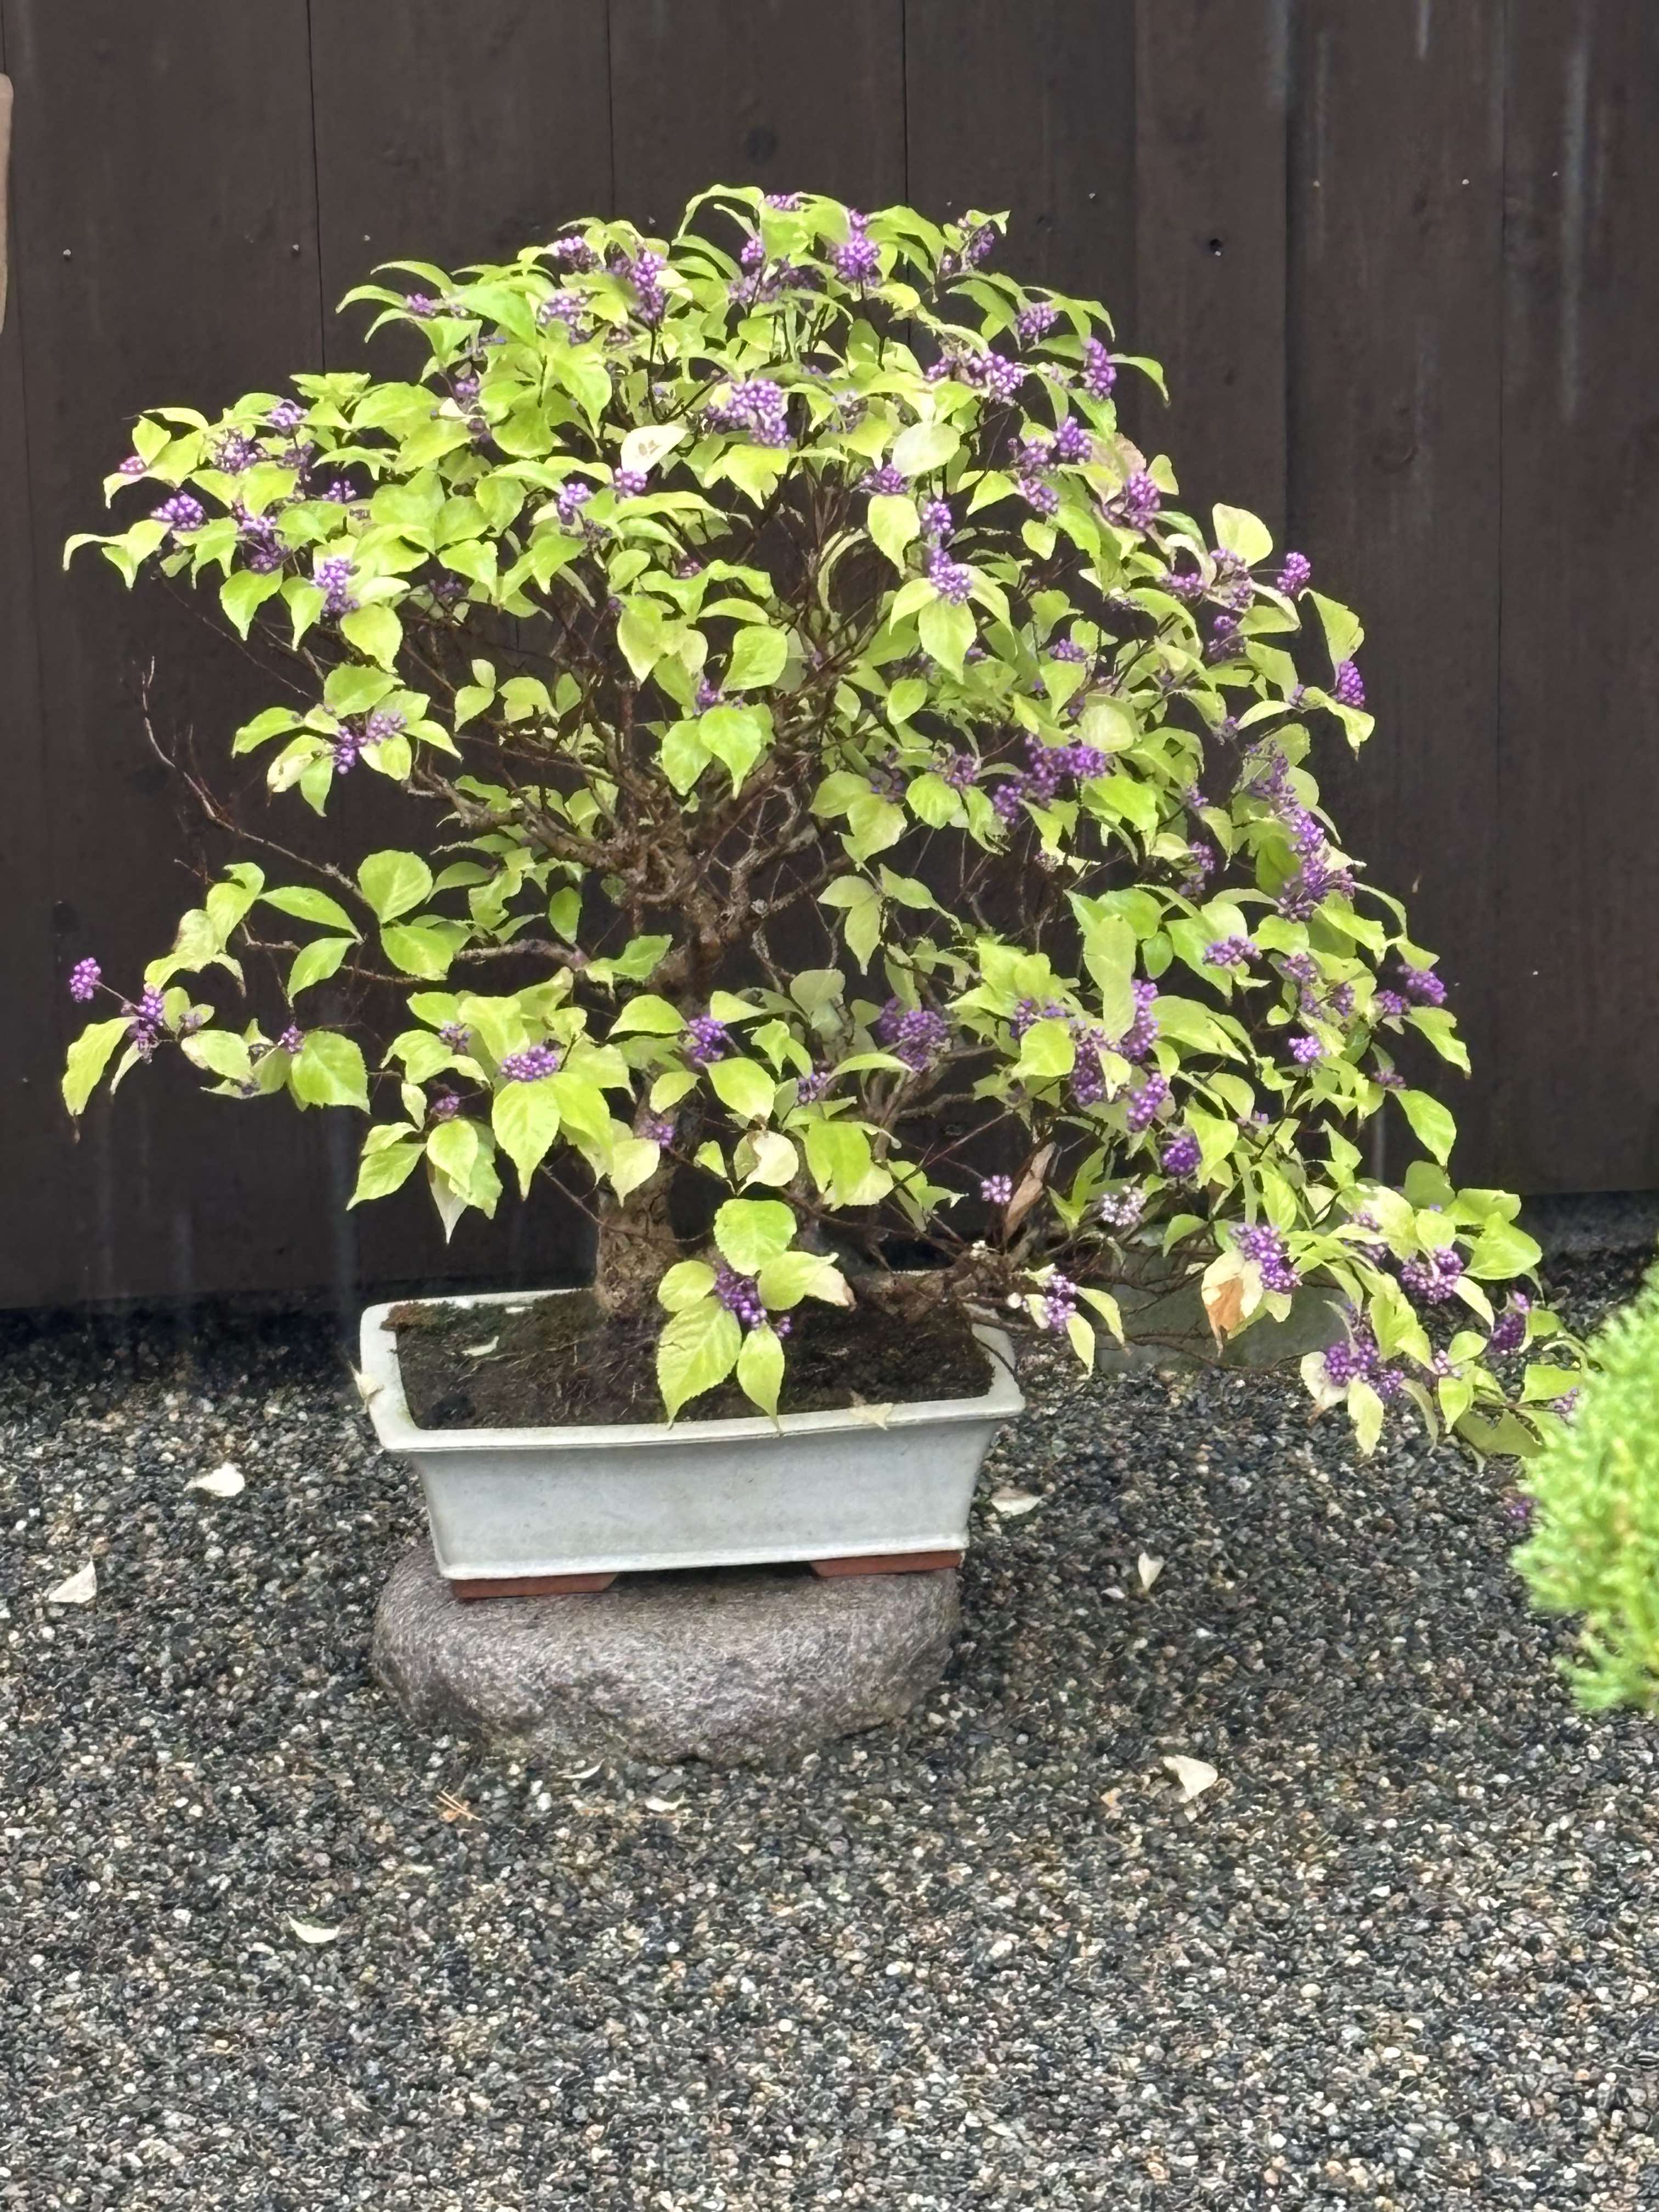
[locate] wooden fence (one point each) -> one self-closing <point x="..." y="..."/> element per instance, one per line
<point x="1399" y="258"/>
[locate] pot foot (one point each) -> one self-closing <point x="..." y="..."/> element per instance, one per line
<point x="530" y="1586"/>
<point x="889" y="1562"/>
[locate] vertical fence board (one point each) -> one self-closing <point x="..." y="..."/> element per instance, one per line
<point x="1579" y="1100"/>
<point x="1395" y="219"/>
<point x="1030" y="109"/>
<point x="464" y="138"/>
<point x="755" y="92"/>
<point x="37" y="1151"/>
<point x="164" y="247"/>
<point x="1209" y="149"/>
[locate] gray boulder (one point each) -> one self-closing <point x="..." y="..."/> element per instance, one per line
<point x="740" y="1666"/>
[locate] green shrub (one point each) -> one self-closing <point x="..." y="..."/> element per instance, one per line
<point x="1594" y="1549"/>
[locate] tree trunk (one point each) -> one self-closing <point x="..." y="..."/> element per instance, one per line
<point x="637" y="1245"/>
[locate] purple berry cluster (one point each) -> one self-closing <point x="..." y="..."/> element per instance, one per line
<point x="739" y="1294"/>
<point x="1295" y="574"/>
<point x="531" y="1065"/>
<point x="147" y="1020"/>
<point x="1137" y="501"/>
<point x="181" y="512"/>
<point x="1348" y="688"/>
<point x="1182" y="1154"/>
<point x="951" y="578"/>
<point x="658" y="1128"/>
<point x="443" y="1106"/>
<point x="1122" y="1209"/>
<point x="756" y="404"/>
<point x="915" y="1034"/>
<point x="1423" y="985"/>
<point x="1034" y="322"/>
<point x="812" y="1086"/>
<point x="574" y="252"/>
<point x="707" y="1040"/>
<point x="1357" y="1359"/>
<point x="628" y="483"/>
<point x="938" y="523"/>
<point x="1435" y="1278"/>
<point x="84" y="978"/>
<point x="1266" y="1246"/>
<point x="1230" y="953"/>
<point x="887" y="480"/>
<point x="857" y="259"/>
<point x="333" y="575"/>
<point x="1509" y="1331"/>
<point x="1304" y="1050"/>
<point x="1143" y="1108"/>
<point x="1059" y="1304"/>
<point x="1099" y="371"/>
<point x="456" y="1036"/>
<point x="1138" y="1039"/>
<point x="422" y="306"/>
<point x="572" y="495"/>
<point x="996" y="1189"/>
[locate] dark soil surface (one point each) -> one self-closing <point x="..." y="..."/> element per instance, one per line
<point x="554" y="1361"/>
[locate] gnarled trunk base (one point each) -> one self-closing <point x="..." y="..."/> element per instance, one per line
<point x="637" y="1244"/>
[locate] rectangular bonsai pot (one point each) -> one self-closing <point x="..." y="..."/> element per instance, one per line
<point x="530" y="1504"/>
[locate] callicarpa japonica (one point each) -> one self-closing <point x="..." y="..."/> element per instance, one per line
<point x="864" y="806"/>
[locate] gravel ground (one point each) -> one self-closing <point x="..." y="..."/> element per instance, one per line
<point x="1403" y="1954"/>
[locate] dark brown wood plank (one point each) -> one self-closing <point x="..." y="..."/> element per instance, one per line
<point x="1395" y="225"/>
<point x="1579" y="769"/>
<point x="1031" y="109"/>
<point x="164" y="249"/>
<point x="470" y="134"/>
<point x="1210" y="79"/>
<point x="38" y="1148"/>
<point x="760" y="92"/>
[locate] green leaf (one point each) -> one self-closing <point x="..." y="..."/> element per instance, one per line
<point x="760" y="1369"/>
<point x="242" y="595"/>
<point x="894" y="523"/>
<point x="697" y="1349"/>
<point x="306" y="905"/>
<point x="1501" y="1250"/>
<point x="1239" y="532"/>
<point x="735" y="736"/>
<point x="748" y="1231"/>
<point x="452" y="1147"/>
<point x="424" y="952"/>
<point x="392" y="883"/>
<point x="744" y="1086"/>
<point x="374" y="630"/>
<point x="526" y="1118"/>
<point x="86" y="1059"/>
<point x="1343" y="633"/>
<point x="633" y="1161"/>
<point x="925" y="446"/>
<point x="315" y="962"/>
<point x="1365" y="1412"/>
<point x="352" y="690"/>
<point x="784" y="1281"/>
<point x="946" y="632"/>
<point x="1431" y="1123"/>
<point x="383" y="1171"/>
<point x="639" y="634"/>
<point x="1047" y="1051"/>
<point x="218" y="1053"/>
<point x="328" y="1071"/>
<point x="650" y="1014"/>
<point x="758" y="657"/>
<point x="904" y="697"/>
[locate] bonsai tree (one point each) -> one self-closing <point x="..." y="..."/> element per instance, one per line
<point x="1594" y="1549"/>
<point x="864" y="812"/>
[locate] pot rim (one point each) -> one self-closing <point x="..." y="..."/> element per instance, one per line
<point x="381" y="1383"/>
